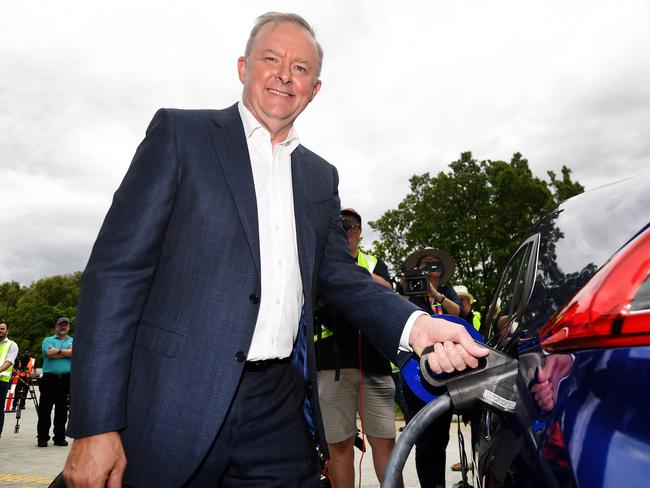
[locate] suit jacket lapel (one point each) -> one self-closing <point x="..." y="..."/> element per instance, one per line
<point x="301" y="209"/>
<point x="232" y="151"/>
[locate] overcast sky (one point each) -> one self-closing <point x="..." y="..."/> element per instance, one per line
<point x="407" y="87"/>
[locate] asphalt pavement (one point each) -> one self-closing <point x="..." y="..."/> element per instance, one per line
<point x="24" y="465"/>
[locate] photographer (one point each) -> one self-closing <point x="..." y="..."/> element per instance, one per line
<point x="427" y="286"/>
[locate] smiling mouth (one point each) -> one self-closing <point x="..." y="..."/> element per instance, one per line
<point x="279" y="93"/>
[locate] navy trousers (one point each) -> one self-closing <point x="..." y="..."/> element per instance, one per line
<point x="264" y="440"/>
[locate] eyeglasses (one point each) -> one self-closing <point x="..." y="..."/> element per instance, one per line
<point x="350" y="227"/>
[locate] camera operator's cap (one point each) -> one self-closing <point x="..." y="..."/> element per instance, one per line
<point x="448" y="263"/>
<point x="462" y="291"/>
<point x="351" y="212"/>
<point x="62" y="320"/>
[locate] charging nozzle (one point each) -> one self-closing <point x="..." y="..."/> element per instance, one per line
<point x="493" y="382"/>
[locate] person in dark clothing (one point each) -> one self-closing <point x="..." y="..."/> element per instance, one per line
<point x="430" y="456"/>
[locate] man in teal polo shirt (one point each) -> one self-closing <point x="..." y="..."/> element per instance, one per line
<point x="55" y="384"/>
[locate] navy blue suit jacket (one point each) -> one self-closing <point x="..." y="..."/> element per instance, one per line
<point x="169" y="298"/>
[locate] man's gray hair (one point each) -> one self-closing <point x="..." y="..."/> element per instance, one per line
<point x="280" y="17"/>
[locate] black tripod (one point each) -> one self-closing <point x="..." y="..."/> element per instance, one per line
<point x="24" y="387"/>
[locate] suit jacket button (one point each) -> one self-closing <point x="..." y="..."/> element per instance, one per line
<point x="254" y="299"/>
<point x="240" y="356"/>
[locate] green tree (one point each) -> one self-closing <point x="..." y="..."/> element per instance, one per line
<point x="478" y="211"/>
<point x="10" y="293"/>
<point x="565" y="188"/>
<point x="38" y="308"/>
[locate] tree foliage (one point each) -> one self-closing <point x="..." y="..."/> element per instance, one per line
<point x="478" y="211"/>
<point x="10" y="293"/>
<point x="32" y="311"/>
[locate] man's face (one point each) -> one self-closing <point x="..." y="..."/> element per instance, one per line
<point x="62" y="329"/>
<point x="352" y="231"/>
<point x="3" y="331"/>
<point x="279" y="75"/>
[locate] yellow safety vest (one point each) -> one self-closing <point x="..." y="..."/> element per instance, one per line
<point x="476" y="320"/>
<point x="4" y="352"/>
<point x="366" y="261"/>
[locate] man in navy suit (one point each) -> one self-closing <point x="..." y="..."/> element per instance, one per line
<point x="217" y="242"/>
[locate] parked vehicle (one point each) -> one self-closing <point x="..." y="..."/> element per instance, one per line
<point x="573" y="307"/>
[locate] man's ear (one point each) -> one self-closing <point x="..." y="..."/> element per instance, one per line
<point x="241" y="68"/>
<point x="315" y="90"/>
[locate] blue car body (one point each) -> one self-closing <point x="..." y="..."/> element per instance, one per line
<point x="597" y="433"/>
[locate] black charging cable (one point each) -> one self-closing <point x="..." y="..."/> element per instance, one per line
<point x="418" y="424"/>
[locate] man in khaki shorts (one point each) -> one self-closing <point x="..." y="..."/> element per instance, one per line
<point x="354" y="377"/>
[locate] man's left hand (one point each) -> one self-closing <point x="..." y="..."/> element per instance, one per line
<point x="453" y="347"/>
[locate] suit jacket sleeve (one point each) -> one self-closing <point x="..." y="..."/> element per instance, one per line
<point x="378" y="312"/>
<point x="115" y="283"/>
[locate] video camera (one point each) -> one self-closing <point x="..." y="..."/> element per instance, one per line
<point x="416" y="280"/>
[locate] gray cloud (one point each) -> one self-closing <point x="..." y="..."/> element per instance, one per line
<point x="406" y="88"/>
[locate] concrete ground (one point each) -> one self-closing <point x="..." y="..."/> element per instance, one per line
<point x="24" y="465"/>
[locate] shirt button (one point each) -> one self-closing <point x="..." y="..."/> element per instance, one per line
<point x="254" y="299"/>
<point x="240" y="356"/>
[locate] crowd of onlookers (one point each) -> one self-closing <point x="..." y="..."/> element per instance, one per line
<point x="17" y="373"/>
<point x="355" y="381"/>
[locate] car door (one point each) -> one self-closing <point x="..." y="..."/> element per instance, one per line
<point x="500" y="438"/>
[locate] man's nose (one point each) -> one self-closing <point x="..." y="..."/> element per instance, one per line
<point x="284" y="73"/>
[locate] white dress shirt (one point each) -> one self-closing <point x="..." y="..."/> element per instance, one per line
<point x="282" y="296"/>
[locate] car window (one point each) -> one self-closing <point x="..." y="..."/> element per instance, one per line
<point x="513" y="292"/>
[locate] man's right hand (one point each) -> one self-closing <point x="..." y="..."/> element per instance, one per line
<point x="453" y="347"/>
<point x="95" y="460"/>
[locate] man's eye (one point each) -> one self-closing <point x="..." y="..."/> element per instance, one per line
<point x="300" y="68"/>
<point x="270" y="59"/>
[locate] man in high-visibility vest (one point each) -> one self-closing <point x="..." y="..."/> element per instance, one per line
<point x="8" y="353"/>
<point x="354" y="377"/>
